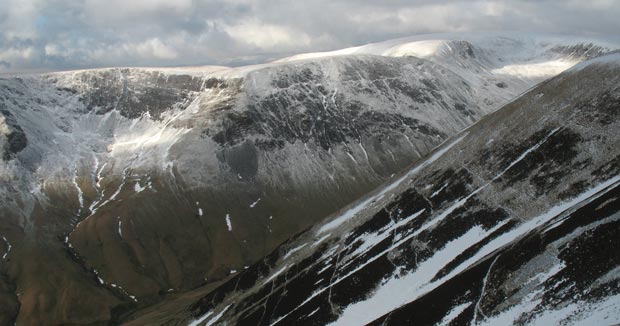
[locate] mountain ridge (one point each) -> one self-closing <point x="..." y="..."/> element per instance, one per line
<point x="470" y="259"/>
<point x="132" y="180"/>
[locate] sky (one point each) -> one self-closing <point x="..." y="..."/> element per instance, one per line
<point x="49" y="35"/>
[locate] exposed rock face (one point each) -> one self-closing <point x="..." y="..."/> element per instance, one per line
<point x="133" y="93"/>
<point x="512" y="221"/>
<point x="12" y="136"/>
<point x="139" y="182"/>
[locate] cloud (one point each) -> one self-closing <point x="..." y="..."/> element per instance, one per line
<point x="268" y="36"/>
<point x="66" y="34"/>
<point x="153" y="48"/>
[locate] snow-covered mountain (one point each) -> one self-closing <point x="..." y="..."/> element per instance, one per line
<point x="513" y="221"/>
<point x="137" y="184"/>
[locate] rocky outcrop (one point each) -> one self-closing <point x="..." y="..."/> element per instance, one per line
<point x="12" y="137"/>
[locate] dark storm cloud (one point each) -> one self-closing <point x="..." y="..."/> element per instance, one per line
<point x="67" y="34"/>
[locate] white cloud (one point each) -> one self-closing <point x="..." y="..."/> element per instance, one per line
<point x="52" y="49"/>
<point x="18" y="18"/>
<point x="149" y="52"/>
<point x="154" y="48"/>
<point x="268" y="37"/>
<point x="19" y="55"/>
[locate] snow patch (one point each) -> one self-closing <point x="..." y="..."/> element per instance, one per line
<point x="201" y="319"/>
<point x="228" y="222"/>
<point x="453" y="314"/>
<point x="120" y="225"/>
<point x="100" y="176"/>
<point x="79" y="190"/>
<point x="294" y="250"/>
<point x="98" y="277"/>
<point x="326" y="267"/>
<point x="211" y="321"/>
<point x="439" y="190"/>
<point x="536" y="70"/>
<point x="138" y="188"/>
<point x="313" y="312"/>
<point x="8" y="250"/>
<point x="274" y="275"/>
<point x="320" y="240"/>
<point x="252" y="205"/>
<point x="607" y="202"/>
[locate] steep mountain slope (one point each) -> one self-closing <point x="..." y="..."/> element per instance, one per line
<point x="512" y="221"/>
<point x="129" y="184"/>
